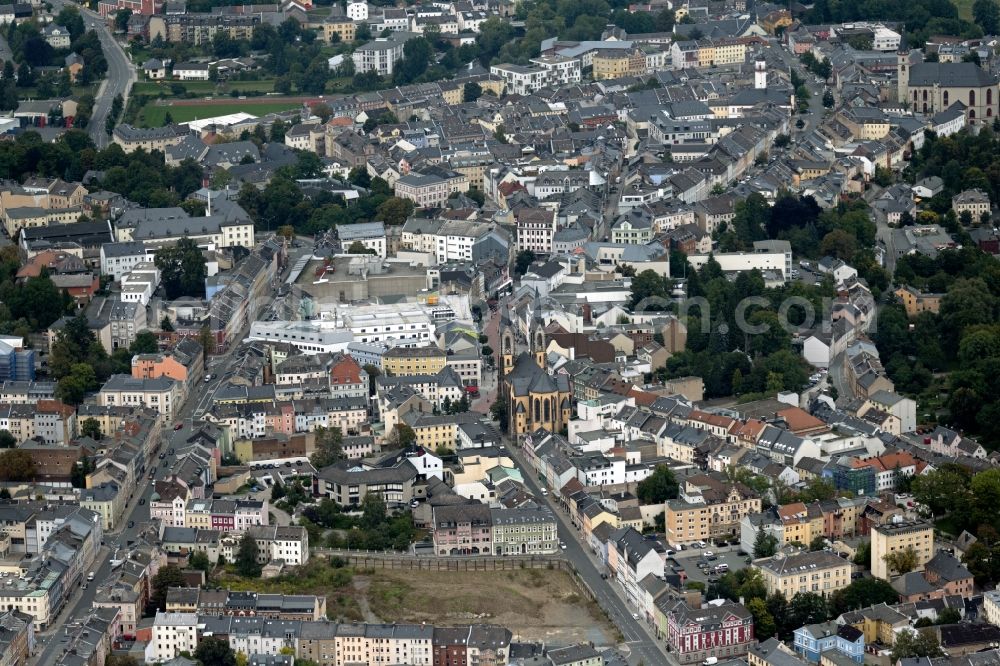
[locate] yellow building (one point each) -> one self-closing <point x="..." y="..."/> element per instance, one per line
<point x="819" y="572"/>
<point x="614" y="64"/>
<point x="409" y="361"/>
<point x="800" y="523"/>
<point x="728" y="52"/>
<point x="344" y="29"/>
<point x="915" y="301"/>
<point x="717" y="515"/>
<point x="894" y="537"/>
<point x="879" y="623"/>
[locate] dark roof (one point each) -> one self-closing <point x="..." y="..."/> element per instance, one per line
<point x="957" y="74"/>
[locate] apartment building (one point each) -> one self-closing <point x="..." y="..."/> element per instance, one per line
<point x="708" y="509"/>
<point x="897" y="536"/>
<point x="426" y="191"/>
<point x="162" y="393"/>
<point x="406" y="361"/>
<point x="381" y="55"/>
<point x="723" y="631"/>
<point x="172" y="634"/>
<point x="132" y="138"/>
<point x="819" y="572"/>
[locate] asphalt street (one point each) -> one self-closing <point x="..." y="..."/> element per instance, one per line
<point x="120" y="77"/>
<point x="136" y="516"/>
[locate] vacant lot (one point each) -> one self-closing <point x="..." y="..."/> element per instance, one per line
<point x="153" y="114"/>
<point x="964" y="8"/>
<point x="535" y="604"/>
<point x="317" y="577"/>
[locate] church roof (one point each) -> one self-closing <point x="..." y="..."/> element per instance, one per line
<point x="526" y="378"/>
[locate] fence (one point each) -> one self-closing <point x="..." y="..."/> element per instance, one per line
<point x="403" y="561"/>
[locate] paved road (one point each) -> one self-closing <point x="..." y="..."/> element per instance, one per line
<point x="136" y="514"/>
<point x="120" y="77"/>
<point x="641" y="643"/>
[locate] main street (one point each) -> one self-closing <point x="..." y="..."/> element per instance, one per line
<point x="53" y="640"/>
<point x="118" y="80"/>
<point x="642" y="645"/>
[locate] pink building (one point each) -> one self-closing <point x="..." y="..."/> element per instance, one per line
<point x="465" y="529"/>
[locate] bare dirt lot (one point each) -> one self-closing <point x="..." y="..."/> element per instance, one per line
<point x="535" y="604"/>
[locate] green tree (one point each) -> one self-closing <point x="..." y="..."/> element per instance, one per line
<point x="144" y="343"/>
<point x="73" y="388"/>
<point x="909" y="643"/>
<point x="471" y="92"/>
<point x="763" y="622"/>
<point x="987" y="14"/>
<point x="394" y="211"/>
<point x="807" y="608"/>
<point x="650" y="291"/>
<point x="765" y="544"/>
<point x="902" y="561"/>
<point x="373" y="510"/>
<point x="167" y="577"/>
<point x="357" y="247"/>
<point x="199" y="560"/>
<point x="863" y="555"/>
<point x="246" y="558"/>
<point x="91" y="428"/>
<point x="658" y="487"/>
<point x="16" y="465"/>
<point x="328" y="447"/>
<point x="522" y="261"/>
<point x="166" y="325"/>
<point x="182" y="269"/>
<point x="944" y="489"/>
<point x="403" y="435"/>
<point x="214" y="652"/>
<point x="863" y="593"/>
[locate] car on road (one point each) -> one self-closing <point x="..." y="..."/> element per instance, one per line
<point x="162" y="456"/>
<point x="142" y="500"/>
<point x="635" y="616"/>
<point x="170" y="451"/>
<point x="709" y="554"/>
<point x="178" y="426"/>
<point x="562" y="545"/>
<point x="131" y="524"/>
<point x="208" y="378"/>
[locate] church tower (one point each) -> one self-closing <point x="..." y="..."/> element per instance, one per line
<point x="760" y="74"/>
<point x="506" y="342"/>
<point x="537" y="340"/>
<point x="903" y="77"/>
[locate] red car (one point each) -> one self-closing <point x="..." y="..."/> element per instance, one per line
<point x="178" y="426"/>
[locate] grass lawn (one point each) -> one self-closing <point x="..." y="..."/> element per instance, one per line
<point x="964" y="8"/>
<point x="152" y="115"/>
<point x="946" y="525"/>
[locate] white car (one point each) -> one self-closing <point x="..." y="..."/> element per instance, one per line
<point x="709" y="553"/>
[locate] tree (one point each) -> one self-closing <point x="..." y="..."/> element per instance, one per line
<point x="948" y="616"/>
<point x="91" y="428"/>
<point x="16" y="465"/>
<point x="807" y="608"/>
<point x="373" y="511"/>
<point x="863" y="555"/>
<point x="471" y="92"/>
<point x="765" y="544"/>
<point x="182" y="269"/>
<point x="215" y="652"/>
<point x="144" y="343"/>
<point x="207" y="342"/>
<point x="902" y="561"/>
<point x="167" y="577"/>
<point x="403" y="435"/>
<point x="840" y="244"/>
<point x="357" y="247"/>
<point x="909" y="643"/>
<point x="658" y="487"/>
<point x="277" y="491"/>
<point x="72" y="388"/>
<point x="246" y="558"/>
<point x="394" y="211"/>
<point x="328" y="447"/>
<point x="863" y="593"/>
<point x="650" y="291"/>
<point x="987" y="14"/>
<point x="166" y="325"/>
<point x="944" y="489"/>
<point x="522" y="261"/>
<point x="828" y="100"/>
<point x="199" y="560"/>
<point x="763" y="621"/>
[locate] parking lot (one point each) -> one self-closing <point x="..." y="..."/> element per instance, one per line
<point x="689" y="559"/>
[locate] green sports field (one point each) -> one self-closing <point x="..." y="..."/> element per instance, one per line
<point x="153" y="115"/>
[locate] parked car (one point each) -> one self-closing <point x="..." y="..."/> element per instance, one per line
<point x="178" y="426"/>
